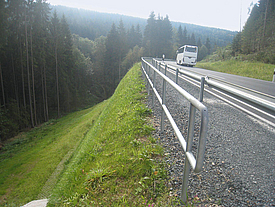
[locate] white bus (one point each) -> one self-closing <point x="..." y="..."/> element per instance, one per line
<point x="187" y="55"/>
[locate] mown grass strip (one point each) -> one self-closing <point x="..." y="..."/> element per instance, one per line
<point x="117" y="163"/>
<point x="256" y="70"/>
<point x="27" y="162"/>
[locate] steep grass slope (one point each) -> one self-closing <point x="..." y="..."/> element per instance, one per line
<point x="102" y="156"/>
<point x="32" y="162"/>
<point x="116" y="163"/>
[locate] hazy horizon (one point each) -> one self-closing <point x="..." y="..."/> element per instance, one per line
<point x="213" y="13"/>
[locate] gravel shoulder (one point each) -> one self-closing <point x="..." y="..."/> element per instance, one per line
<point x="239" y="167"/>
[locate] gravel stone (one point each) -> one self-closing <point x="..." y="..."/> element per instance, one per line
<point x="239" y="163"/>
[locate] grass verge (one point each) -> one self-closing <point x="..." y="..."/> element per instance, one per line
<point x="117" y="164"/>
<point x="256" y="70"/>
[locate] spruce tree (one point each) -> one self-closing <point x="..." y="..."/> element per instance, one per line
<point x="112" y="59"/>
<point x="55" y="25"/>
<point x="208" y="46"/>
<point x="192" y="39"/>
<point x="180" y="38"/>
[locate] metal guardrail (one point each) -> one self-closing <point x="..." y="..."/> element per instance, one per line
<point x="214" y="84"/>
<point x="195" y="162"/>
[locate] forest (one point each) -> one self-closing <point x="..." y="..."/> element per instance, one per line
<point x="50" y="65"/>
<point x="42" y="74"/>
<point x="257" y="40"/>
<point x="92" y="24"/>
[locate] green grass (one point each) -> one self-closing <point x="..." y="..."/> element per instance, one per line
<point x="256" y="70"/>
<point x="115" y="165"/>
<point x="27" y="162"/>
<point x="102" y="156"/>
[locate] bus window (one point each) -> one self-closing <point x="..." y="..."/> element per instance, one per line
<point x="180" y="50"/>
<point x="191" y="49"/>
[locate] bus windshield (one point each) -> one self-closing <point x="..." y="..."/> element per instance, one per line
<point x="191" y="49"/>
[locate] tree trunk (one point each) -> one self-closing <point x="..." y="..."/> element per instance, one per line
<point x="22" y="74"/>
<point x="33" y="84"/>
<point x="14" y="82"/>
<point x="2" y="85"/>
<point x="56" y="75"/>
<point x="46" y="96"/>
<point x="263" y="41"/>
<point x="43" y="94"/>
<point x="28" y="72"/>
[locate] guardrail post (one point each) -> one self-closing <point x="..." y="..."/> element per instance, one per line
<point x="190" y="135"/>
<point x="177" y="76"/>
<point x="202" y="89"/>
<point x="273" y="76"/>
<point x="148" y="88"/>
<point x="143" y="66"/>
<point x="163" y="103"/>
<point x="154" y="80"/>
<point x="158" y="66"/>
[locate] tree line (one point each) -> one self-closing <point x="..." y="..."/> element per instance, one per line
<point x="46" y="71"/>
<point x="160" y="38"/>
<point x="257" y="38"/>
<point x="92" y="24"/>
<point x="41" y="74"/>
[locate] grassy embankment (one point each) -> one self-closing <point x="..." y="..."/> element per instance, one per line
<point x="256" y="70"/>
<point x="102" y="156"/>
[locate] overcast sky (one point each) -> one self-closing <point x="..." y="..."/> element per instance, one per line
<point x="224" y="14"/>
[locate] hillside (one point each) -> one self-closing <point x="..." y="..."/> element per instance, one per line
<point x="92" y="24"/>
<point x="99" y="156"/>
<point x="257" y="40"/>
<point x="252" y="52"/>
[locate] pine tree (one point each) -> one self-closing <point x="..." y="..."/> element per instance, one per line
<point x="150" y="36"/>
<point x="199" y="44"/>
<point x="3" y="23"/>
<point x="203" y="52"/>
<point x="55" y="25"/>
<point x="138" y="36"/>
<point x="40" y="40"/>
<point x="185" y="36"/>
<point x="180" y="38"/>
<point x="100" y="76"/>
<point x="192" y="39"/>
<point x="167" y="33"/>
<point x="131" y="37"/>
<point x="66" y="66"/>
<point x="158" y="36"/>
<point x="208" y="46"/>
<point x="123" y="47"/>
<point x="236" y="44"/>
<point x="112" y="55"/>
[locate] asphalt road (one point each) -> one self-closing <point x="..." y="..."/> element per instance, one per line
<point x="262" y="86"/>
<point x="257" y="99"/>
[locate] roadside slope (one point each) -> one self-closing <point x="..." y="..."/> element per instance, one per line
<point x="116" y="163"/>
<point x="34" y="160"/>
<point x="102" y="156"/>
